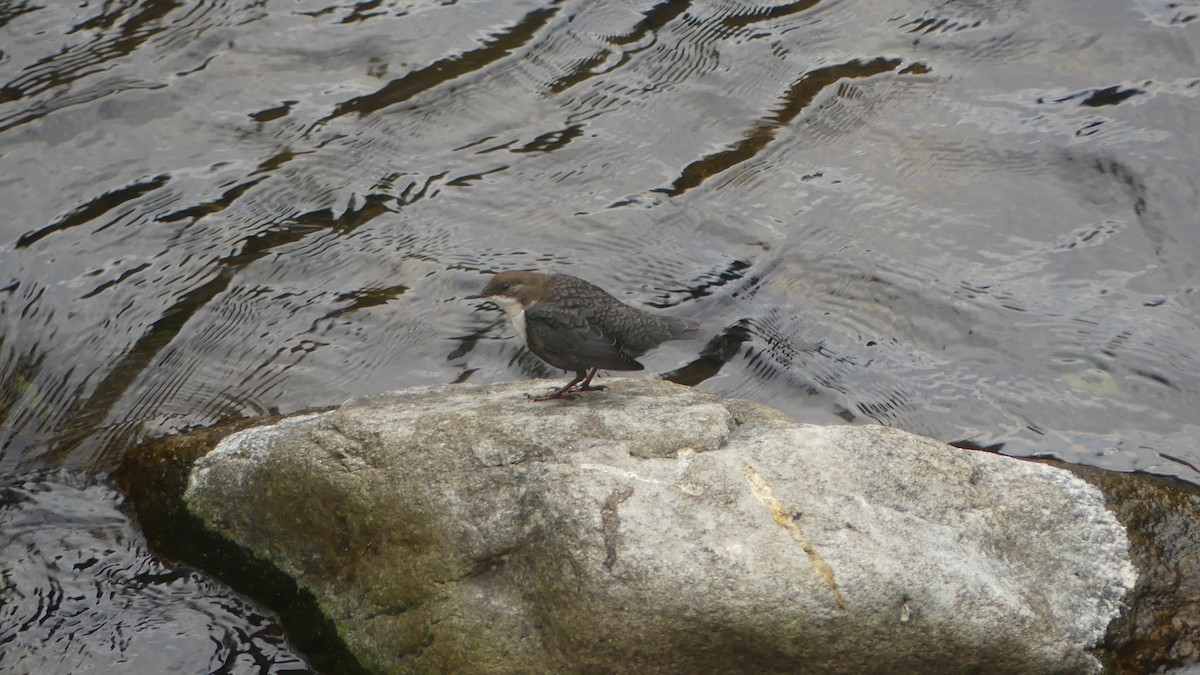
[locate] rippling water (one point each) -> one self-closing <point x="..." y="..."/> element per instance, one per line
<point x="972" y="220"/>
<point x="80" y="592"/>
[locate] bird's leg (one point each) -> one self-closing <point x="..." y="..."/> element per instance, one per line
<point x="587" y="383"/>
<point x="564" y="392"/>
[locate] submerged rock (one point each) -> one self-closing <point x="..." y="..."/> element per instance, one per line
<point x="654" y="528"/>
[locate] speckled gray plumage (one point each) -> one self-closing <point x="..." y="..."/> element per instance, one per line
<point x="574" y="325"/>
<point x="578" y="325"/>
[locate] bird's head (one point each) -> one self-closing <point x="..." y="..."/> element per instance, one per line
<point x="515" y="290"/>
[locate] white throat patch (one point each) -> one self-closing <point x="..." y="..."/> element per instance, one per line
<point x="516" y="313"/>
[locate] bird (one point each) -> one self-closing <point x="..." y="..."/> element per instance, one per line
<point x="577" y="326"/>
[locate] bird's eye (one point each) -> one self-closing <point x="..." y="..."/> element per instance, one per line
<point x="505" y="286"/>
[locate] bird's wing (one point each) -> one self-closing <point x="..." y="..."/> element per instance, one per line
<point x="564" y="335"/>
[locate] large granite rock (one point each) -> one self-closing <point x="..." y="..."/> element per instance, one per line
<point x="654" y="528"/>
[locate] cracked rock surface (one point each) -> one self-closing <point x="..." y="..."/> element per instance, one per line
<point x="654" y="528"/>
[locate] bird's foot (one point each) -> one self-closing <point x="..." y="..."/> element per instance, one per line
<point x="571" y="388"/>
<point x="567" y="393"/>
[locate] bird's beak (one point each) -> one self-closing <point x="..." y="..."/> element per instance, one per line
<point x="477" y="296"/>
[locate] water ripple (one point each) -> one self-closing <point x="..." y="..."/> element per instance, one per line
<point x="78" y="588"/>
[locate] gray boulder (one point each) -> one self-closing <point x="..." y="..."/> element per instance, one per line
<point x="654" y="528"/>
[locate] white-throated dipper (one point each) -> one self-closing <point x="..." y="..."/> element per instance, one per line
<point x="574" y="325"/>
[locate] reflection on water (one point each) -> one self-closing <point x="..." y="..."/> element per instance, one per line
<point x="974" y="221"/>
